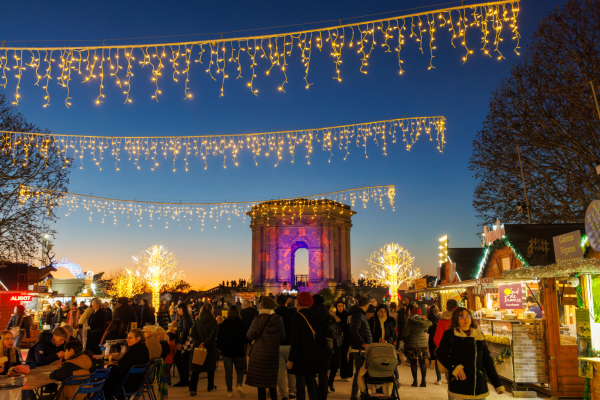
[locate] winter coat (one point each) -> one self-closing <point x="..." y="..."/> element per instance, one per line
<point x="443" y="325"/>
<point x="165" y="350"/>
<point x="148" y="318"/>
<point x="153" y="345"/>
<point x="22" y="321"/>
<point x="401" y="321"/>
<point x="138" y="311"/>
<point x="96" y="331"/>
<point x="303" y="351"/>
<point x="73" y="318"/>
<point x="125" y="313"/>
<point x="390" y="329"/>
<point x="343" y="316"/>
<point x="164" y="319"/>
<point x="135" y="355"/>
<point x="108" y="312"/>
<point x="48" y="317"/>
<point x="267" y="332"/>
<point x="431" y="331"/>
<point x="323" y="319"/>
<point x="414" y="333"/>
<point x="183" y="328"/>
<point x="248" y="315"/>
<point x="458" y="351"/>
<point x="78" y="364"/>
<point x="286" y="314"/>
<point x="360" y="332"/>
<point x="204" y="330"/>
<point x="231" y="338"/>
<point x="9" y="364"/>
<point x="43" y="352"/>
<point x="58" y="316"/>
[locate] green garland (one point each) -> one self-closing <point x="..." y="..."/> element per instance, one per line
<point x="497" y="245"/>
<point x="503" y="356"/>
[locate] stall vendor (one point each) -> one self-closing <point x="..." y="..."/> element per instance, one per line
<point x="533" y="307"/>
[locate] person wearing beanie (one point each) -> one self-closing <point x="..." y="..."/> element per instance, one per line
<point x="304" y="360"/>
<point x="267" y="332"/>
<point x="361" y="338"/>
<point x="324" y="319"/>
<point x="286" y="314"/>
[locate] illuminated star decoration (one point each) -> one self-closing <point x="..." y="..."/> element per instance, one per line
<point x="390" y="267"/>
<point x="158" y="267"/>
<point x="186" y="213"/>
<point x="277" y="143"/>
<point x="229" y="55"/>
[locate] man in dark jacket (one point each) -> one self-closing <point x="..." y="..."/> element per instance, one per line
<point x="248" y="313"/>
<point x="286" y="314"/>
<point x="325" y="352"/>
<point x="303" y="360"/>
<point x="58" y="315"/>
<point x="138" y="310"/>
<point x="49" y="347"/>
<point x="361" y="338"/>
<point x="125" y="312"/>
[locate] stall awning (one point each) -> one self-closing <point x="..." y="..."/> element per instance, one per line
<point x="467" y="284"/>
<point x="66" y="287"/>
<point x="557" y="270"/>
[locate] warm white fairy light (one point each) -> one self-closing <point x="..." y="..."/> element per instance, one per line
<point x="95" y="63"/>
<point x="390" y="267"/>
<point x="268" y="144"/>
<point x="187" y="213"/>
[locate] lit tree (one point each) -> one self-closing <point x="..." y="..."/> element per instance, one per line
<point x="158" y="268"/>
<point x="390" y="267"/>
<point x="126" y="283"/>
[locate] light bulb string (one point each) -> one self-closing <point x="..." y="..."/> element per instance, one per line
<point x="271" y="36"/>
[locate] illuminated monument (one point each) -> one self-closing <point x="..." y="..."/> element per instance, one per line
<point x="320" y="226"/>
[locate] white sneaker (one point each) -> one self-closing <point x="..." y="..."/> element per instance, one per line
<point x="229" y="394"/>
<point x="437" y="382"/>
<point x="241" y="392"/>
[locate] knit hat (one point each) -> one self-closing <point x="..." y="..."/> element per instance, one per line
<point x="305" y="299"/>
<point x="268" y="303"/>
<point x="416" y="311"/>
<point x="318" y="299"/>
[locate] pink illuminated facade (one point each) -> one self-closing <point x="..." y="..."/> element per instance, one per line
<point x="324" y="232"/>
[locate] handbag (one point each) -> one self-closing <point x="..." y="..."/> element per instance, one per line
<point x="259" y="335"/>
<point x="199" y="356"/>
<point x="16" y="330"/>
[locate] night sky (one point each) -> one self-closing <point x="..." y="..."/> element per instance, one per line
<point x="433" y="190"/>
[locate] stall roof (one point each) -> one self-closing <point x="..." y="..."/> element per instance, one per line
<point x="535" y="241"/>
<point x="467" y="261"/>
<point x="468" y="283"/>
<point x="66" y="287"/>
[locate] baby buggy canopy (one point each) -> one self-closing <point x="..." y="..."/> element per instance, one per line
<point x="380" y="362"/>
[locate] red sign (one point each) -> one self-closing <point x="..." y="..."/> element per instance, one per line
<point x="20" y="297"/>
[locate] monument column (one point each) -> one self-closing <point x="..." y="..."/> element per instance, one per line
<point x="343" y="252"/>
<point x="257" y="249"/>
<point x="325" y="248"/>
<point x="348" y="265"/>
<point x="331" y="253"/>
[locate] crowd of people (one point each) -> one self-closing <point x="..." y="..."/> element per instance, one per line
<point x="284" y="346"/>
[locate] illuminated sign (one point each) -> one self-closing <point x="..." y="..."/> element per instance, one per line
<point x="20" y="297"/>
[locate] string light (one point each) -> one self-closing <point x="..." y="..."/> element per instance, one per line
<point x="126" y="284"/>
<point x="90" y="62"/>
<point x="152" y="148"/>
<point x="390" y="267"/>
<point x="186" y="213"/>
<point x="158" y="268"/>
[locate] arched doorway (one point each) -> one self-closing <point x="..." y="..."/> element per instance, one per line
<point x="300" y="271"/>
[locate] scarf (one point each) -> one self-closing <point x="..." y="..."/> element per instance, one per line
<point x="382" y="321"/>
<point x="266" y="311"/>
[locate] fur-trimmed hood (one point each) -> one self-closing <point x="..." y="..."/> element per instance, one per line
<point x="475" y="333"/>
<point x="447" y="315"/>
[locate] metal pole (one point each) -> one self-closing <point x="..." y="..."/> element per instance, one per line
<point x="524" y="188"/>
<point x="595" y="99"/>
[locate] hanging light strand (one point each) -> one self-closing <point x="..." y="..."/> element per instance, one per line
<point x="138" y="212"/>
<point x="116" y="63"/>
<point x="153" y="148"/>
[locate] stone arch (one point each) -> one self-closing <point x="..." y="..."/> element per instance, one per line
<point x="295" y="247"/>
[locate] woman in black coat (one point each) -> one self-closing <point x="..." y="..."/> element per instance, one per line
<point x="304" y="354"/>
<point x="95" y="327"/>
<point x="433" y="314"/>
<point x="383" y="328"/>
<point x="401" y="323"/>
<point x="345" y="366"/>
<point x="464" y="353"/>
<point x="231" y="341"/>
<point x="182" y="357"/>
<point x="147" y="313"/>
<point x="136" y="354"/>
<point x="204" y="334"/>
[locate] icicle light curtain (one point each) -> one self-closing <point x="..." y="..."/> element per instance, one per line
<point x="238" y="58"/>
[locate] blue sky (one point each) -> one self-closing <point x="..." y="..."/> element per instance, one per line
<point x="433" y="190"/>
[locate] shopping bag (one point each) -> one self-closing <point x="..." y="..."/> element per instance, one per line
<point x="199" y="356"/>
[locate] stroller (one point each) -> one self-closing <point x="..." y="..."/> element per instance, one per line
<point x="380" y="362"/>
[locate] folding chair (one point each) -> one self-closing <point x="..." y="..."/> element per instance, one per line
<point x="90" y="389"/>
<point x="152" y="369"/>
<point x="101" y="374"/>
<point x="136" y="369"/>
<point x="74" y="380"/>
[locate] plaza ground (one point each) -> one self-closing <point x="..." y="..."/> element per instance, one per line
<point x="342" y="389"/>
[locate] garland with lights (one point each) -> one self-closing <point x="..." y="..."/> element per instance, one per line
<point x="277" y="143"/>
<point x="224" y="55"/>
<point x="559" y="269"/>
<point x="188" y="212"/>
<point x="497" y="339"/>
<point x="497" y="245"/>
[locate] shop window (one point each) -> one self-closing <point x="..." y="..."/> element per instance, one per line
<point x="506" y="263"/>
